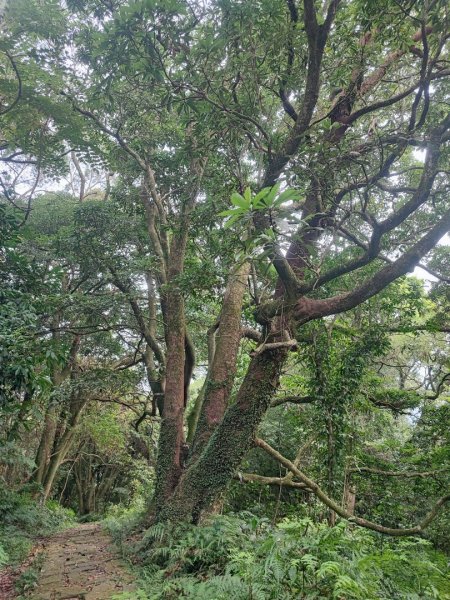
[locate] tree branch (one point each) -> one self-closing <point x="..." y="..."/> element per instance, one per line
<point x="407" y="474"/>
<point x="320" y="494"/>
<point x="276" y="481"/>
<point x="308" y="309"/>
<point x="291" y="400"/>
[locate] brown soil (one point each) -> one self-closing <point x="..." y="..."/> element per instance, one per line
<point x="81" y="564"/>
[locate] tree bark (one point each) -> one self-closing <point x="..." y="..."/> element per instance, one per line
<point x="207" y="478"/>
<point x="223" y="368"/>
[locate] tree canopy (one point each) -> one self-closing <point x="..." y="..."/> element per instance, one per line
<point x="224" y="258"/>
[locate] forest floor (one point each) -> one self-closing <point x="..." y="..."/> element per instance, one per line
<point x="81" y="564"/>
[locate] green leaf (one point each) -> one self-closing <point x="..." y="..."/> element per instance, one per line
<point x="260" y="196"/>
<point x="289" y="194"/>
<point x="230" y="211"/>
<point x="239" y="200"/>
<point x="231" y="221"/>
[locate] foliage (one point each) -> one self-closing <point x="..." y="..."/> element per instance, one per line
<point x="22" y="520"/>
<point x="244" y="556"/>
<point x="324" y="123"/>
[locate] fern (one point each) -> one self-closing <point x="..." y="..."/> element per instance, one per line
<point x="242" y="557"/>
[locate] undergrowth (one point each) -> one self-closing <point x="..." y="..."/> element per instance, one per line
<point x="244" y="557"/>
<point x="22" y="520"/>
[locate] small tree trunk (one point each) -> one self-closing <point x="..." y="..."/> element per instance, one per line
<point x="350" y="497"/>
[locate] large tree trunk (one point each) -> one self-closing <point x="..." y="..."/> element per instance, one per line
<point x="171" y="438"/>
<point x="222" y="371"/>
<point x="207" y="478"/>
<point x="171" y="452"/>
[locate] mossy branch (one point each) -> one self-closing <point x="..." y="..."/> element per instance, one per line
<point x="337" y="508"/>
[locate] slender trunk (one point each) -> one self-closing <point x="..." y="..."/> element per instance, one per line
<point x="46" y="442"/>
<point x="155" y="376"/>
<point x="79" y="484"/>
<point x="331" y="463"/>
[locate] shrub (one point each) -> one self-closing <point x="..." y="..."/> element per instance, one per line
<point x="241" y="557"/>
<point x="21" y="520"/>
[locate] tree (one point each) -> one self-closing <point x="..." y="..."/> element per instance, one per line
<point x="325" y="125"/>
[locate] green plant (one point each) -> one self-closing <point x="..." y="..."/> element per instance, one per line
<point x="4" y="558"/>
<point x="27" y="580"/>
<point x="22" y="519"/>
<point x="241" y="556"/>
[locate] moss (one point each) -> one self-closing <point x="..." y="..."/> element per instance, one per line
<point x="207" y="478"/>
<point x="168" y="470"/>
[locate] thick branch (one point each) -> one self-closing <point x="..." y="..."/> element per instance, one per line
<point x="407" y="474"/>
<point x="319" y="493"/>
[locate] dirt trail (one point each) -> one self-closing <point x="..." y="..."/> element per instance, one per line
<point x="81" y="564"/>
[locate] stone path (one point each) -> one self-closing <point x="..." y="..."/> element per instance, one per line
<point x="81" y="564"/>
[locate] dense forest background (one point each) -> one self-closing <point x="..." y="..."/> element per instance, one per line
<point x="224" y="300"/>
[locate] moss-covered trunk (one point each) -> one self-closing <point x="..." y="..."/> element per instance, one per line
<point x="203" y="481"/>
<point x="222" y="370"/>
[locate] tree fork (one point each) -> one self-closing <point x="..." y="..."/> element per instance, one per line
<point x="208" y="477"/>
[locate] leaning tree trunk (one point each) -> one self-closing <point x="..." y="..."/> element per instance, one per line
<point x="203" y="481"/>
<point x="62" y="446"/>
<point x="46" y="442"/>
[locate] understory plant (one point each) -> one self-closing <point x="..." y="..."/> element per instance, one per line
<point x="22" y="520"/>
<point x="242" y="556"/>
